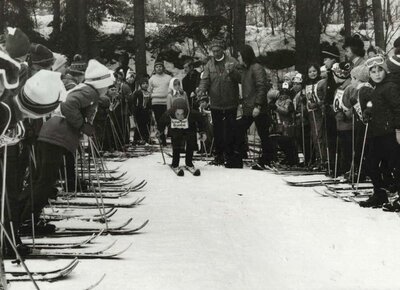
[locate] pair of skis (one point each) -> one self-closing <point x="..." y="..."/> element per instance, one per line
<point x="179" y="171"/>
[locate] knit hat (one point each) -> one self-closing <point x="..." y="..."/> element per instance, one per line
<point x="393" y="63"/>
<point x="218" y="42"/>
<point x="98" y="75"/>
<point x="180" y="103"/>
<point x="330" y="51"/>
<point x="356" y="45"/>
<point x="77" y="68"/>
<point x="360" y="73"/>
<point x="9" y="71"/>
<point x="342" y="69"/>
<point x="298" y="78"/>
<point x="41" y="55"/>
<point x="159" y="62"/>
<point x="17" y="43"/>
<point x="60" y="60"/>
<point x="41" y="94"/>
<point x="397" y="42"/>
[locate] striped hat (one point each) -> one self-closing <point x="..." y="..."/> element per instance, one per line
<point x="98" y="75"/>
<point x="393" y="63"/>
<point x="41" y="94"/>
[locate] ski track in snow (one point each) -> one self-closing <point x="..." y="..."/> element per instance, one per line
<point x="241" y="229"/>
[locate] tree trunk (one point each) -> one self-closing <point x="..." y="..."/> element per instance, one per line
<point x="56" y="18"/>
<point x="347" y="17"/>
<point x="378" y="24"/>
<point x="363" y="12"/>
<point x="2" y="18"/>
<point x="307" y="33"/>
<point x="239" y="25"/>
<point x="82" y="29"/>
<point x="265" y="13"/>
<point x="140" y="38"/>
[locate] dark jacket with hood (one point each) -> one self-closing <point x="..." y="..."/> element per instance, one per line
<point x="79" y="107"/>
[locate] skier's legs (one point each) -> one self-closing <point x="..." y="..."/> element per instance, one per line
<point x="262" y="124"/>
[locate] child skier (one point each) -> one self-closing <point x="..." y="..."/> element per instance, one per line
<point x="141" y="109"/>
<point x="184" y="125"/>
<point x="383" y="115"/>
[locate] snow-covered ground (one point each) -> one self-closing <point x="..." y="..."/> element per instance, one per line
<point x="243" y="230"/>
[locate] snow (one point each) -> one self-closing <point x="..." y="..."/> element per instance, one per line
<point x="242" y="229"/>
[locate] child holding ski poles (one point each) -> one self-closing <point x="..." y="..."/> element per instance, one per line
<point x="382" y="112"/>
<point x="184" y="125"/>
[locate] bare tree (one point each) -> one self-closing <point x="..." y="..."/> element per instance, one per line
<point x="347" y="17"/>
<point x="378" y="23"/>
<point x="307" y="33"/>
<point x="239" y="25"/>
<point x="56" y="17"/>
<point x="140" y="38"/>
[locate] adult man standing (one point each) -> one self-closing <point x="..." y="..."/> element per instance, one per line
<point x="224" y="99"/>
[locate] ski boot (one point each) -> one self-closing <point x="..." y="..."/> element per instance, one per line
<point x="377" y="200"/>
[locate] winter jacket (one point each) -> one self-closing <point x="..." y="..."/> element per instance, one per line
<point x="158" y="87"/>
<point x="182" y="137"/>
<point x="254" y="87"/>
<point x="141" y="100"/>
<point x="223" y="91"/>
<point x="190" y="82"/>
<point x="385" y="109"/>
<point x="79" y="108"/>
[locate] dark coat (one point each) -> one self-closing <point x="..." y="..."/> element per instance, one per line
<point x="190" y="82"/>
<point x="254" y="87"/>
<point x="79" y="107"/>
<point x="385" y="109"/>
<point x="182" y="137"/>
<point x="223" y="91"/>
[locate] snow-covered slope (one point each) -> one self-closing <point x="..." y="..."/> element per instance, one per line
<point x="244" y="230"/>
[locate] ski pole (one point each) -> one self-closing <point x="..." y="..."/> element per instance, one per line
<point x="303" y="134"/>
<point x="3" y="192"/>
<point x="336" y="155"/>
<point x="327" y="145"/>
<point x="353" y="150"/>
<point x="362" y="156"/>
<point x="317" y="136"/>
<point x="18" y="256"/>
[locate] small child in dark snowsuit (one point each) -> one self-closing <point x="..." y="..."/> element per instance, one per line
<point x="183" y="127"/>
<point x="141" y="109"/>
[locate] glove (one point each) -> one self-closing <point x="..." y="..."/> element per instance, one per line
<point x="367" y="114"/>
<point x="88" y="129"/>
<point x="203" y="137"/>
<point x="312" y="106"/>
<point x="398" y="136"/>
<point x="353" y="101"/>
<point x="256" y="111"/>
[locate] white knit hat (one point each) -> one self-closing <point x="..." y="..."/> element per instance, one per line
<point x="9" y="71"/>
<point x="98" y="75"/>
<point x="41" y="94"/>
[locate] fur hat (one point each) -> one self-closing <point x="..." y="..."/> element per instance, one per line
<point x="356" y="44"/>
<point x="393" y="63"/>
<point x="360" y="73"/>
<point x="180" y="103"/>
<point x="330" y="51"/>
<point x="41" y="94"/>
<point x="17" y="43"/>
<point x="41" y="56"/>
<point x="9" y="71"/>
<point x="342" y="69"/>
<point x="98" y="75"/>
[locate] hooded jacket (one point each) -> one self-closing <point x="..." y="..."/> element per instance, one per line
<point x="79" y="107"/>
<point x="174" y="94"/>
